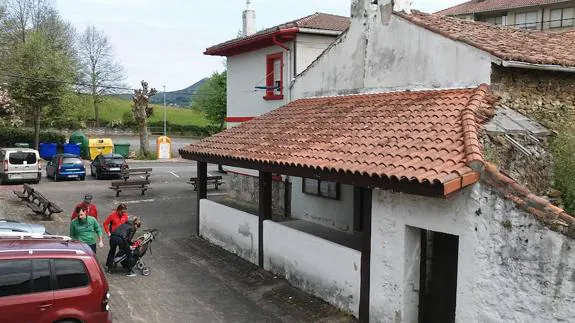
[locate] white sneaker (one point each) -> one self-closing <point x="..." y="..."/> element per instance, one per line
<point x="131" y="274"/>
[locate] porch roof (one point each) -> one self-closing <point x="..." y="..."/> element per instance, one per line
<point x="422" y="142"/>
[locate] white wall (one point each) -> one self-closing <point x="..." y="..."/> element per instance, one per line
<point x="320" y="267"/>
<point x="519" y="273"/>
<point x="396" y="56"/>
<point x="309" y="47"/>
<point x="245" y="72"/>
<point x="231" y="229"/>
<point x="336" y="214"/>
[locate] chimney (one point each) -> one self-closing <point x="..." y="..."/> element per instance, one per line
<point x="362" y="9"/>
<point x="249" y="18"/>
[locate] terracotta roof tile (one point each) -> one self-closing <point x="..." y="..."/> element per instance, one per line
<point x="551" y="215"/>
<point x="475" y="6"/>
<point x="318" y="20"/>
<point x="506" y="43"/>
<point x="385" y="135"/>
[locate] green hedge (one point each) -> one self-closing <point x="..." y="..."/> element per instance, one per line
<point x="10" y="136"/>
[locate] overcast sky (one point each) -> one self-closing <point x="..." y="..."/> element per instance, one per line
<point x="162" y="41"/>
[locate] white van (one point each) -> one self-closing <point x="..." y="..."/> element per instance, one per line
<point x="20" y="165"/>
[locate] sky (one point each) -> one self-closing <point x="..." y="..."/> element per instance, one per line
<point x="162" y="41"/>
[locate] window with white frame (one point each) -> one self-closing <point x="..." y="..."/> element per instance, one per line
<point x="526" y="20"/>
<point x="321" y="188"/>
<point x="562" y="17"/>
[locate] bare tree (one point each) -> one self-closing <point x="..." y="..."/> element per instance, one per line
<point x="142" y="111"/>
<point x="99" y="69"/>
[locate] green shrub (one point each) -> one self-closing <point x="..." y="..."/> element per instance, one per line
<point x="10" y="136"/>
<point x="564" y="153"/>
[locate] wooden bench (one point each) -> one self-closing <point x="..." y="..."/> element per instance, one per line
<point x="212" y="179"/>
<point x="127" y="172"/>
<point x="118" y="186"/>
<point x="26" y="195"/>
<point x="42" y="206"/>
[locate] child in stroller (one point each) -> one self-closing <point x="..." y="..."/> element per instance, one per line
<point x="138" y="249"/>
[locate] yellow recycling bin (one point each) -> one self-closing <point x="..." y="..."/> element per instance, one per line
<point x="100" y="146"/>
<point x="164" y="147"/>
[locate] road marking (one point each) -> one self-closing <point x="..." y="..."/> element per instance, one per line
<point x="136" y="202"/>
<point x="142" y="177"/>
<point x="175" y="174"/>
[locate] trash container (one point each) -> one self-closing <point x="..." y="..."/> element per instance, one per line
<point x="47" y="150"/>
<point x="164" y="147"/>
<point x="78" y="137"/>
<point x="99" y="146"/>
<point x="22" y="145"/>
<point x="122" y="149"/>
<point x="74" y="149"/>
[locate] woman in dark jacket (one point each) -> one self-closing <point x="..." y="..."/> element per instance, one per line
<point x="122" y="238"/>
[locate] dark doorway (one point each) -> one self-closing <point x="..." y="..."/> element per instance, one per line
<point x="361" y="207"/>
<point x="438" y="277"/>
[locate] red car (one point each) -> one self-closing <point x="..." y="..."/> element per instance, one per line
<point x="51" y="279"/>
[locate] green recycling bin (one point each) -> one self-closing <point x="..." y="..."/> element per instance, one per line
<point x="22" y="145"/>
<point x="122" y="149"/>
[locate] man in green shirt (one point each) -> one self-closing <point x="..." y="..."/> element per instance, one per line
<point x="85" y="228"/>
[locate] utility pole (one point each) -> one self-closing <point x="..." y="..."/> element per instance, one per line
<point x="165" y="109"/>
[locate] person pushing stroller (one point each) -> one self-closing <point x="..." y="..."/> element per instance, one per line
<point x="121" y="238"/>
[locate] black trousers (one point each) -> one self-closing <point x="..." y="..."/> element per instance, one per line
<point x="116" y="242"/>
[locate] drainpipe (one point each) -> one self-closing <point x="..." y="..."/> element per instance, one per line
<point x="288" y="58"/>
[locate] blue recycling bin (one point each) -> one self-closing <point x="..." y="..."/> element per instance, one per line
<point x="48" y="150"/>
<point x="73" y="148"/>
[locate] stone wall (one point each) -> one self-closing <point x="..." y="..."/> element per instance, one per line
<point x="545" y="96"/>
<point x="244" y="188"/>
<point x="548" y="97"/>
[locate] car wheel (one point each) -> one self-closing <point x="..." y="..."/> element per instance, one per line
<point x="83" y="178"/>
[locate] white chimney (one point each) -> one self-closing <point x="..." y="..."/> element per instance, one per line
<point x="402" y="5"/>
<point x="249" y="18"/>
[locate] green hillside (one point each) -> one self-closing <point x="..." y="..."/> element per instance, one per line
<point x="113" y="110"/>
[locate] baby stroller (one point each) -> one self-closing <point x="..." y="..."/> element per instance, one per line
<point x="138" y="249"/>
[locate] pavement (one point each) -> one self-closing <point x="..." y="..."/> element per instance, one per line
<point x="191" y="280"/>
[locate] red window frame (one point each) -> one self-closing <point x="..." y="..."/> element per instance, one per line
<point x="270" y="93"/>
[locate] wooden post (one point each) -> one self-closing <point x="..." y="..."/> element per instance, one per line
<point x="365" y="196"/>
<point x="202" y="191"/>
<point x="265" y="210"/>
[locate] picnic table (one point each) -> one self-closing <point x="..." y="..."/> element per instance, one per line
<point x="37" y="202"/>
<point x="145" y="172"/>
<point x="216" y="180"/>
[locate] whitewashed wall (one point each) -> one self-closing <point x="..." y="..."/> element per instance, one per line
<point x="337" y="214"/>
<point x="373" y="56"/>
<point x="234" y="230"/>
<point x="309" y="47"/>
<point x="511" y="268"/>
<point x="317" y="266"/>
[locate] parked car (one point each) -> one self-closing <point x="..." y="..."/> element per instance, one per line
<point x="66" y="166"/>
<point x="51" y="279"/>
<point x="15" y="226"/>
<point x="20" y="165"/>
<point x="108" y="165"/>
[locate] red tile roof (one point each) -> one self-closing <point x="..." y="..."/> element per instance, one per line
<point x="476" y="6"/>
<point x="423" y="136"/>
<point x="506" y="43"/>
<point x="552" y="216"/>
<point x="317" y="21"/>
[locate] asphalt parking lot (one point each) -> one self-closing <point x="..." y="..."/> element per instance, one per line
<point x="191" y="280"/>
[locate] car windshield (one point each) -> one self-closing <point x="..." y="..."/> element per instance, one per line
<point x="22" y="158"/>
<point x="115" y="160"/>
<point x="71" y="160"/>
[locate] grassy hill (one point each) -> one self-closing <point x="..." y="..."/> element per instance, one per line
<point x="113" y="109"/>
<point x="181" y="98"/>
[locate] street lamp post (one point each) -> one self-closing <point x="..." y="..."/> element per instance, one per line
<point x="165" y="109"/>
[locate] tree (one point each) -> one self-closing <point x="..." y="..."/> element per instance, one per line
<point x="42" y="77"/>
<point x="98" y="67"/>
<point x="142" y="111"/>
<point x="212" y="98"/>
<point x="7" y="110"/>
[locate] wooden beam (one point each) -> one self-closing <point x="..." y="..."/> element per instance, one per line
<point x="366" y="196"/>
<point x="202" y="190"/>
<point x="265" y="210"/>
<point x="360" y="180"/>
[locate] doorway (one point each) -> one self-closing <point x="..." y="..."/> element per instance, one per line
<point x="438" y="277"/>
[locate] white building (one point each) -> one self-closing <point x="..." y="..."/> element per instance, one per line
<point x="443" y="234"/>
